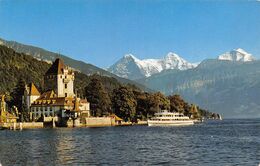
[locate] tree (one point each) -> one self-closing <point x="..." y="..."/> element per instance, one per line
<point x="100" y="103"/>
<point x="177" y="104"/>
<point x="142" y="104"/>
<point x="124" y="103"/>
<point x="18" y="100"/>
<point x="157" y="101"/>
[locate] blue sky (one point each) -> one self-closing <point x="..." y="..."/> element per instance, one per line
<point x="102" y="31"/>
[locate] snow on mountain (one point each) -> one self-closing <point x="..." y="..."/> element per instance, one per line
<point x="133" y="68"/>
<point x="237" y="55"/>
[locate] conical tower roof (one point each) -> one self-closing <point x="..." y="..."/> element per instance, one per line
<point x="33" y="90"/>
<point x="56" y="68"/>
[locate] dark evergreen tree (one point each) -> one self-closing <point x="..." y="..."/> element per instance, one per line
<point x="18" y="100"/>
<point x="98" y="97"/>
<point x="142" y="104"/>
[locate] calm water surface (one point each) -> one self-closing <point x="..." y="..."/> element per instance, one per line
<point x="227" y="142"/>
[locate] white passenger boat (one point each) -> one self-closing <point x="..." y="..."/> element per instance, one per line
<point x="165" y="118"/>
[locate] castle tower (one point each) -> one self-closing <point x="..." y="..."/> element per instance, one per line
<point x="59" y="78"/>
<point x="31" y="94"/>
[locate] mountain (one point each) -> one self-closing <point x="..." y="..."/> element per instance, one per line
<point x="48" y="56"/>
<point x="15" y="66"/>
<point x="133" y="68"/>
<point x="230" y="88"/>
<point x="237" y="55"/>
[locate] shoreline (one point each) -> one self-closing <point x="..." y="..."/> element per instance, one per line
<point x="39" y="125"/>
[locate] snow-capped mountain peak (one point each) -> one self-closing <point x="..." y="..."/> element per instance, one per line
<point x="240" y="50"/>
<point x="172" y="55"/>
<point x="133" y="68"/>
<point x="174" y="61"/>
<point x="237" y="55"/>
<point x="129" y="56"/>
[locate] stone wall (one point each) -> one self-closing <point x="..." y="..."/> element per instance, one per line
<point x="29" y="125"/>
<point x="24" y="125"/>
<point x="98" y="121"/>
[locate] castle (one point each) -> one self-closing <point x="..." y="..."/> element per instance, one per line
<point x="58" y="101"/>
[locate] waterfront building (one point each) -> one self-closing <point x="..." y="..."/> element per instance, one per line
<point x="58" y="99"/>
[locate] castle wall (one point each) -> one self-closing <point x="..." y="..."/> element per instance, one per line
<point x="65" y="84"/>
<point x="60" y="86"/>
<point x="30" y="100"/>
<point x="47" y="111"/>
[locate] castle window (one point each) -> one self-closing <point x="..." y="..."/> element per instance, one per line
<point x="66" y="95"/>
<point x="65" y="86"/>
<point x="60" y="76"/>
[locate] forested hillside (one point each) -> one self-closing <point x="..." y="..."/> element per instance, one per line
<point x="49" y="56"/>
<point x="106" y="94"/>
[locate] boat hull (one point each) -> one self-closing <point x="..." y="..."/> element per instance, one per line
<point x="170" y="123"/>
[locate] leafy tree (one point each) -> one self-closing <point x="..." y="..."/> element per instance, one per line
<point x="177" y="104"/>
<point x="124" y="103"/>
<point x="100" y="103"/>
<point x="157" y="101"/>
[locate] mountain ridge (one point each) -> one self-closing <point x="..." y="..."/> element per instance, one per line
<point x="133" y="68"/>
<point x="238" y="54"/>
<point x="227" y="87"/>
<point x="48" y="56"/>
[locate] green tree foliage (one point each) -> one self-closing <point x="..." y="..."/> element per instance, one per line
<point x="15" y="66"/>
<point x="142" y="108"/>
<point x="17" y="94"/>
<point x="177" y="104"/>
<point x="124" y="103"/>
<point x="98" y="97"/>
<point x="156" y="102"/>
<point x="18" y="100"/>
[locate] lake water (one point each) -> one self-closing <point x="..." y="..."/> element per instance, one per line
<point x="227" y="142"/>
